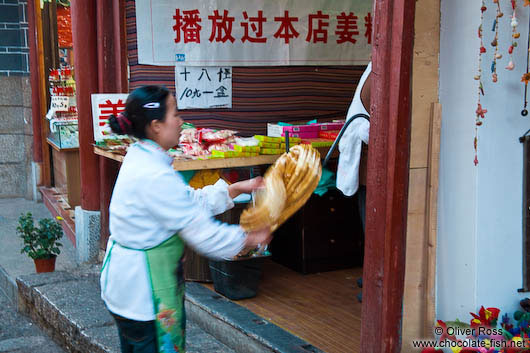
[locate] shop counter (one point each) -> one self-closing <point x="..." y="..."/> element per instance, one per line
<point x="215" y="163"/>
<point x="66" y="172"/>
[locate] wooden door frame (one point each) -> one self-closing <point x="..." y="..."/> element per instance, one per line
<point x="388" y="176"/>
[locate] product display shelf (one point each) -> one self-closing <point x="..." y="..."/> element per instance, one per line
<point x="217" y="163"/>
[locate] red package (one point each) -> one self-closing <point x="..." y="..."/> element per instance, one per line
<point x="212" y="136"/>
<point x="329" y="135"/>
<point x="219" y="147"/>
<point x="64" y="27"/>
<point x="189" y="136"/>
<point x="193" y="149"/>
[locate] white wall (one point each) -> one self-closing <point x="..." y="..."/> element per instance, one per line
<point x="479" y="256"/>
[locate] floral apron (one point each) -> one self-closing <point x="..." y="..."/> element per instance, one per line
<point x="164" y="266"/>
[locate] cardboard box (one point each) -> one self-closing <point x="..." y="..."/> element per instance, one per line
<point x="301" y="129"/>
<point x="238" y="148"/>
<point x="271" y="151"/>
<point x="330" y="126"/>
<point x="302" y="135"/>
<point x="268" y="145"/>
<point x="329" y="135"/>
<point x="274" y="130"/>
<point x="278" y="140"/>
<point x="318" y="142"/>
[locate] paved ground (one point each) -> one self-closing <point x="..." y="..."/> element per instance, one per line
<point x="18" y="334"/>
<point x="60" y="295"/>
<point x="13" y="262"/>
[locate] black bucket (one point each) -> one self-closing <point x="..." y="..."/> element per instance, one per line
<point x="238" y="279"/>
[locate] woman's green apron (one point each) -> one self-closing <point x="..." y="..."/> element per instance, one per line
<point x="164" y="266"/>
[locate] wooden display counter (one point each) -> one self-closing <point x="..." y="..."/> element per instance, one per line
<point x="216" y="163"/>
<point x="196" y="268"/>
<point x="66" y="172"/>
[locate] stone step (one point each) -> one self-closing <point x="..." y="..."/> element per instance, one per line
<point x="237" y="327"/>
<point x="67" y="305"/>
<point x="68" y="308"/>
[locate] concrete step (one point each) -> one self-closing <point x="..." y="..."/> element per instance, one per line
<point x="18" y="334"/>
<point x="69" y="309"/>
<point x="67" y="305"/>
<point x="238" y="327"/>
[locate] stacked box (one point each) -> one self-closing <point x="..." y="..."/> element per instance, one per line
<point x="301" y="129"/>
<point x="329" y="135"/>
<point x="254" y="149"/>
<point x="282" y="146"/>
<point x="278" y="140"/>
<point x="330" y="126"/>
<point x="269" y="139"/>
<point x="318" y="142"/>
<point x="302" y="135"/>
<point x="269" y="145"/>
<point x="232" y="154"/>
<point x="271" y="151"/>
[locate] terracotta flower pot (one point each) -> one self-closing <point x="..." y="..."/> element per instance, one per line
<point x="45" y="265"/>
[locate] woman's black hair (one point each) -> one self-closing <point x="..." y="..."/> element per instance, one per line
<point x="143" y="105"/>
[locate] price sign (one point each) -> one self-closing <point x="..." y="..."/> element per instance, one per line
<point x="59" y="103"/>
<point x="203" y="87"/>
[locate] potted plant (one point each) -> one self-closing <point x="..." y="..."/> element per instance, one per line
<point x="40" y="243"/>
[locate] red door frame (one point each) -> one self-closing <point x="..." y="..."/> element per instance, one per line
<point x="388" y="176"/>
<point x="112" y="78"/>
<point x="84" y="33"/>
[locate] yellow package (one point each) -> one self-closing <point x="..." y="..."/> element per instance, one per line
<point x="269" y="145"/>
<point x="291" y="144"/>
<point x="292" y="140"/>
<point x="218" y="154"/>
<point x="205" y="177"/>
<point x="254" y="149"/>
<point x="247" y="154"/>
<point x="271" y="151"/>
<point x="269" y="139"/>
<point x="319" y="142"/>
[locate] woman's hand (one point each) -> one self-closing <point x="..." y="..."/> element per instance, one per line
<point x="245" y="186"/>
<point x="258" y="237"/>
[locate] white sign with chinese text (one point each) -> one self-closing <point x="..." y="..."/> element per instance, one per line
<point x="60" y="103"/>
<point x="203" y="87"/>
<point x="103" y="105"/>
<point x="254" y="32"/>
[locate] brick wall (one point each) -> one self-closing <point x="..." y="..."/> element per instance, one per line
<point x="14" y="50"/>
<point x="16" y="135"/>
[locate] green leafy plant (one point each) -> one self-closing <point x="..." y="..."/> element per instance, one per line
<point x="40" y="242"/>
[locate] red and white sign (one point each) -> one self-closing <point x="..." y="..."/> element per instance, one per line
<point x="103" y="105"/>
<point x="254" y="32"/>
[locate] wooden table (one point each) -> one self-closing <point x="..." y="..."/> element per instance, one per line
<point x="215" y="163"/>
<point x="196" y="268"/>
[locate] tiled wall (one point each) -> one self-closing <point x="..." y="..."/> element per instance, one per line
<point x="14" y="49"/>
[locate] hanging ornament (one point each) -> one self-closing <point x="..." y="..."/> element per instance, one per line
<point x="495" y="42"/>
<point x="526" y="76"/>
<point x="480" y="112"/>
<point x="515" y="35"/>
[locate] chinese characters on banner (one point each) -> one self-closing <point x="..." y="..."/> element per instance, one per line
<point x="203" y="87"/>
<point x="103" y="105"/>
<point x="254" y="32"/>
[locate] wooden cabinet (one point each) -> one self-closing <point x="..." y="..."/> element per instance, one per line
<point x="196" y="267"/>
<point x="66" y="173"/>
<point x="325" y="234"/>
